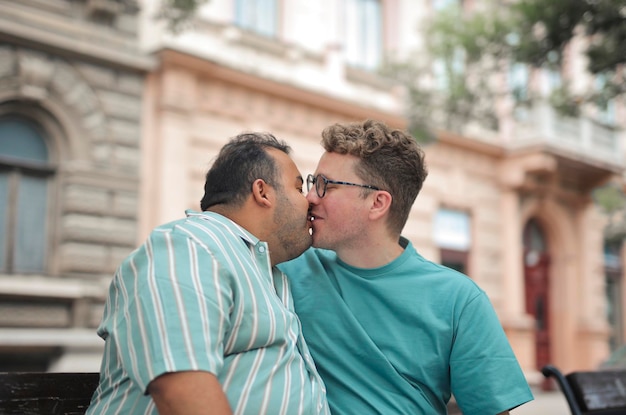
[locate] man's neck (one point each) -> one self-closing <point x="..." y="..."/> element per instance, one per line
<point x="373" y="254"/>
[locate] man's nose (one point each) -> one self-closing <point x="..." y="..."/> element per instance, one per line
<point x="312" y="196"/>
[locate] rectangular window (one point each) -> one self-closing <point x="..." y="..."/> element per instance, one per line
<point x="518" y="82"/>
<point x="259" y="16"/>
<point x="4" y="219"/>
<point x="453" y="237"/>
<point x="606" y="107"/>
<point x="613" y="272"/>
<point x="457" y="260"/>
<point x="555" y="80"/>
<point x="448" y="71"/>
<point x="452" y="229"/>
<point x="439" y="5"/>
<point x="364" y="33"/>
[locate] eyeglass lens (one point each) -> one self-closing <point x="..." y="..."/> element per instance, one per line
<point x="319" y="182"/>
<point x="320" y="186"/>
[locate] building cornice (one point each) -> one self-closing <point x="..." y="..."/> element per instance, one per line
<point x="470" y="144"/>
<point x="53" y="33"/>
<point x="173" y="58"/>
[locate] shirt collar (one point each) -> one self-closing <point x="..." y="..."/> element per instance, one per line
<point x="248" y="238"/>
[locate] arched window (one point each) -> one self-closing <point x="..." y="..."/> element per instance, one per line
<point x="25" y="170"/>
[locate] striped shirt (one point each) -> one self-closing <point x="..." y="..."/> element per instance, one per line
<point x="201" y="294"/>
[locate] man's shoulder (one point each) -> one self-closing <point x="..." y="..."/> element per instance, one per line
<point x="202" y="230"/>
<point x="443" y="275"/>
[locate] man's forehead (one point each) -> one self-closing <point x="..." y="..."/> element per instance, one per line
<point x="332" y="164"/>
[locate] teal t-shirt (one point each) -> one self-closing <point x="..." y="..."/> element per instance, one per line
<point x="401" y="338"/>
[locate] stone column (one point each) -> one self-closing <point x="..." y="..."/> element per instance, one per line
<point x="517" y="324"/>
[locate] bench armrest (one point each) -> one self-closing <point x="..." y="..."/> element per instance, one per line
<point x="551" y="371"/>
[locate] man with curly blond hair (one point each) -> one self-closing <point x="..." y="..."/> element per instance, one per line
<point x="390" y="331"/>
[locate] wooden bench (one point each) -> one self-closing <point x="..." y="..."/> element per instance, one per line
<point x="46" y="393"/>
<point x="601" y="392"/>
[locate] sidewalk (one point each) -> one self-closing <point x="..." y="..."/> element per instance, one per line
<point x="545" y="403"/>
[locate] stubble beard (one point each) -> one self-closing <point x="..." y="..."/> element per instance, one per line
<point x="293" y="234"/>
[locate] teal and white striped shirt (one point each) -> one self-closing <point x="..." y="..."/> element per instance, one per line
<point x="201" y="294"/>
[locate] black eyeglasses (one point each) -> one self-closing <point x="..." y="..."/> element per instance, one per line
<point x="321" y="183"/>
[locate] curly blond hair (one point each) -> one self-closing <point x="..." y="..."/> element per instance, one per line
<point x="390" y="159"/>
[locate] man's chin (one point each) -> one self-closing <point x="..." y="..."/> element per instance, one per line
<point x="317" y="242"/>
<point x="303" y="247"/>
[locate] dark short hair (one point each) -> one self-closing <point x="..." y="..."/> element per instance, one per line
<point x="239" y="163"/>
<point x="389" y="159"/>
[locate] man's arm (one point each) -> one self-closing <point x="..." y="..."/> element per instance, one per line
<point x="189" y="393"/>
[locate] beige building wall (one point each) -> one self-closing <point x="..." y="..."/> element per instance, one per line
<point x="195" y="106"/>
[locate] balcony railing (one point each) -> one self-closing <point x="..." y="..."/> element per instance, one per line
<point x="580" y="137"/>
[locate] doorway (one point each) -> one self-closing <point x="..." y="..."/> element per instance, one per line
<point x="537" y="284"/>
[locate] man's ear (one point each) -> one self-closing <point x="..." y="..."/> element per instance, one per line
<point x="262" y="193"/>
<point x="380" y="204"/>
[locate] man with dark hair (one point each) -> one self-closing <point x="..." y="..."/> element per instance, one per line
<point x="198" y="320"/>
<point x="391" y="332"/>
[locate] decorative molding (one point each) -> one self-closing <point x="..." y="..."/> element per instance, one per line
<point x="41" y="78"/>
<point x="59" y="32"/>
<point x="110" y="8"/>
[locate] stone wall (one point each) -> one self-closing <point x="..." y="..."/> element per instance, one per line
<point x="74" y="68"/>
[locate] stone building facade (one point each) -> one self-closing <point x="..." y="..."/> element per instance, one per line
<point x="511" y="208"/>
<point x="71" y="87"/>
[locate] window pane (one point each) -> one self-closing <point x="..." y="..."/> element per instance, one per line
<point x="352" y="32"/>
<point x="257" y="15"/>
<point x="364" y="33"/>
<point x="457" y="260"/>
<point x="20" y="138"/>
<point x="445" y="4"/>
<point x="4" y="202"/>
<point x="606" y="108"/>
<point x="31" y="235"/>
<point x="554" y="80"/>
<point x="518" y="81"/>
<point x="372" y="34"/>
<point x="452" y="230"/>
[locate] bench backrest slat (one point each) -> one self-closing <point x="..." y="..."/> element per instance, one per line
<point x="46" y="393"/>
<point x="604" y="389"/>
<point x="601" y="392"/>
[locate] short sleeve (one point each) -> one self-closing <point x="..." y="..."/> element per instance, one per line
<point x="177" y="313"/>
<point x="485" y="375"/>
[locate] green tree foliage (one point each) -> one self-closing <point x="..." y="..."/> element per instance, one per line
<point x="540" y="33"/>
<point x="611" y="199"/>
<point x="545" y="28"/>
<point x="471" y="48"/>
<point x="454" y="81"/>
